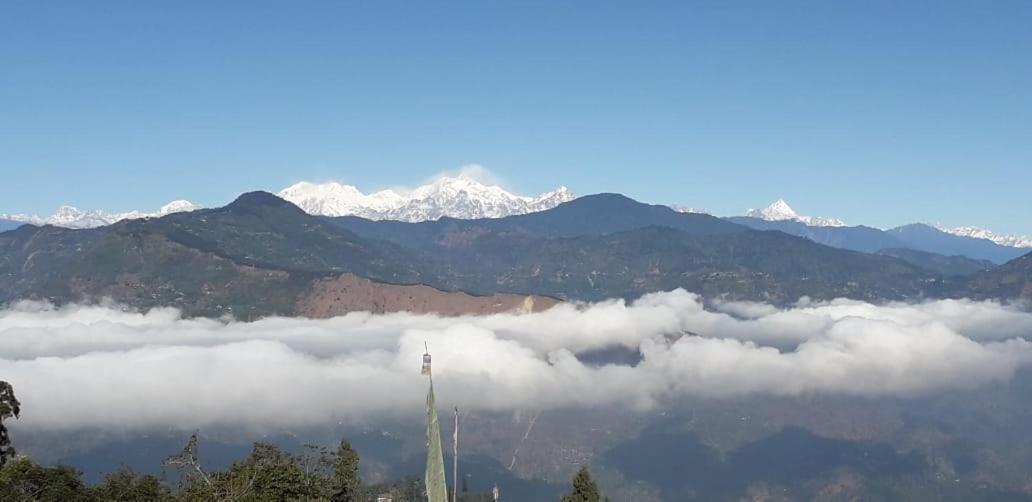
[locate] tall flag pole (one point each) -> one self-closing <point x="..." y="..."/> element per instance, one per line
<point x="455" y="459"/>
<point x="436" y="487"/>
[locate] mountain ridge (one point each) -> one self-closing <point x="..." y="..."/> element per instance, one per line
<point x="781" y="211"/>
<point x="463" y="197"/>
<point x="916" y="236"/>
<point x="259" y="254"/>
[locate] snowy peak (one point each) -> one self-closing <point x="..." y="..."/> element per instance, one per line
<point x="776" y="211"/>
<point x="336" y="199"/>
<point x="73" y="217"/>
<point x="452" y="196"/>
<point x="779" y="210"/>
<point x="177" y="206"/>
<point x="551" y="199"/>
<point x="1014" y="241"/>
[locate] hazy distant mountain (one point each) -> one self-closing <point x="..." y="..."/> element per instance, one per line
<point x="6" y="225"/>
<point x="72" y="217"/>
<point x="455" y="197"/>
<point x="917" y="237"/>
<point x="858" y="238"/>
<point x="927" y="238"/>
<point x="932" y="251"/>
<point x="1014" y="241"/>
<point x="945" y="265"/>
<point x="779" y="210"/>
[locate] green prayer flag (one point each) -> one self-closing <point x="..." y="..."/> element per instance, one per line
<point x="436" y="488"/>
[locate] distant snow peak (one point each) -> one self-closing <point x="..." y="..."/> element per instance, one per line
<point x="336" y="199"/>
<point x="461" y="196"/>
<point x="1014" y="241"/>
<point x="177" y="206"/>
<point x="779" y="210"/>
<point x="687" y="209"/>
<point x="73" y="217"/>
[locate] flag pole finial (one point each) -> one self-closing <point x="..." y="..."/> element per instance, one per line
<point x="426" y="360"/>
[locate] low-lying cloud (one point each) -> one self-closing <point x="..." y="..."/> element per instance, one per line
<point x="94" y="366"/>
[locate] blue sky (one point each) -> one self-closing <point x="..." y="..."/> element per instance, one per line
<point x="875" y="112"/>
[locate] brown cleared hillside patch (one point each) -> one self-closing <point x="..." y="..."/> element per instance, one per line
<point x="350" y="293"/>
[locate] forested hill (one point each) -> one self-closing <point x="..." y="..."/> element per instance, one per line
<point x="260" y="255"/>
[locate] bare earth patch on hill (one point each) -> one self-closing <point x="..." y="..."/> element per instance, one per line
<point x="350" y="293"/>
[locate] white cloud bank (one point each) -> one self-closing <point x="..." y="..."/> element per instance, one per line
<point x="100" y="365"/>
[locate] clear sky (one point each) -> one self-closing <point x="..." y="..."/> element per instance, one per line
<point x="875" y="112"/>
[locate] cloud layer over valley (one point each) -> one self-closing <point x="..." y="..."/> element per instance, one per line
<point x="85" y="366"/>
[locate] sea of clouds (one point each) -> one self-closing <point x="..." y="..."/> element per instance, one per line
<point x="94" y="366"/>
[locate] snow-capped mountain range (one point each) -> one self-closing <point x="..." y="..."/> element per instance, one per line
<point x="72" y="217"/>
<point x="1014" y="241"/>
<point x="459" y="196"/>
<point x="779" y="210"/>
<point x="456" y="197"/>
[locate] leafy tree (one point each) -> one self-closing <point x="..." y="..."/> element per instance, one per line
<point x="344" y="480"/>
<point x="125" y="485"/>
<point x="9" y="407"/>
<point x="269" y="473"/>
<point x="23" y="479"/>
<point x="584" y="488"/>
<point x="266" y="474"/>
